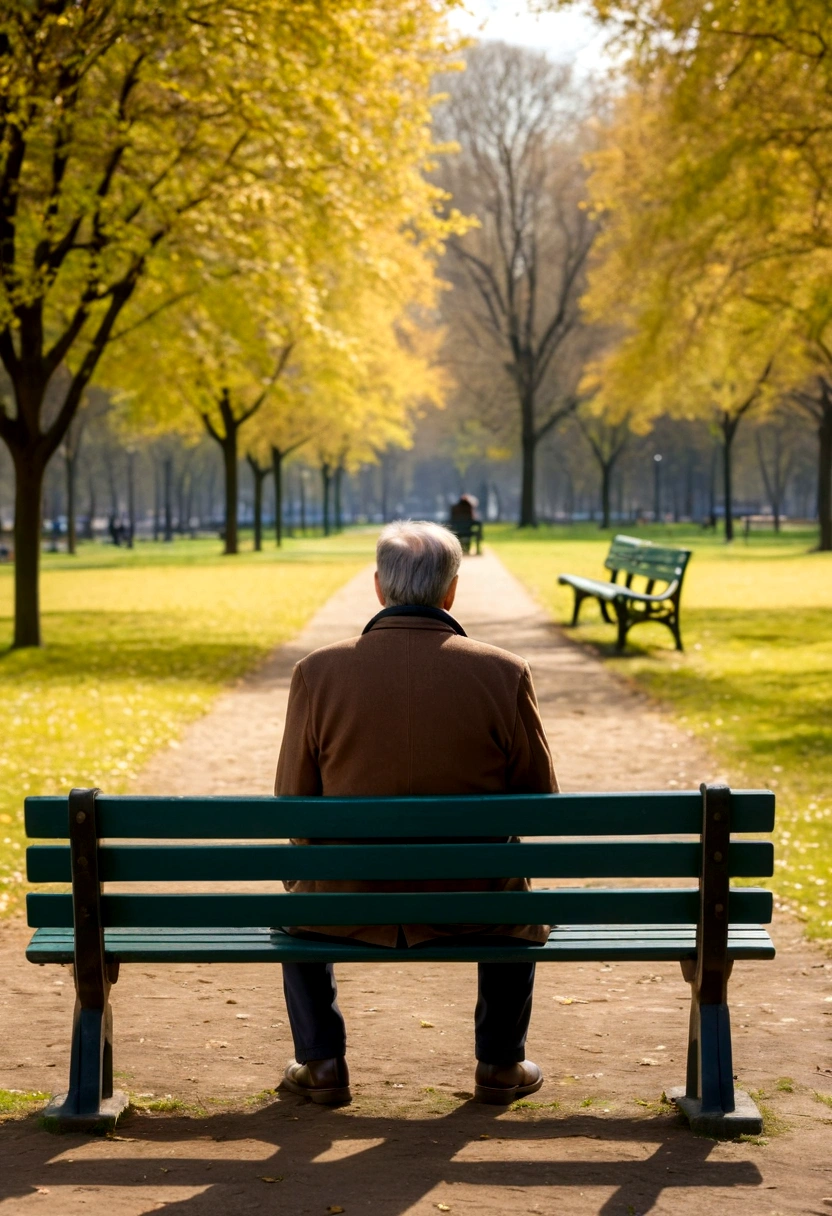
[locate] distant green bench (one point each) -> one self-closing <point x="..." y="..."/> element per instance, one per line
<point x="467" y="530"/>
<point x="704" y="927"/>
<point x="635" y="558"/>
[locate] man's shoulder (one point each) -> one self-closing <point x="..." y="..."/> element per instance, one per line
<point x="325" y="656"/>
<point x="488" y="655"/>
<point x="461" y="649"/>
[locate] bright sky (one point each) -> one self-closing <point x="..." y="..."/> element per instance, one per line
<point x="570" y="34"/>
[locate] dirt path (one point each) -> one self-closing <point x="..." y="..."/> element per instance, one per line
<point x="609" y="1038"/>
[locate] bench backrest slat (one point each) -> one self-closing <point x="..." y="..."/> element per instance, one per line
<point x="663" y="813"/>
<point x="270" y="863"/>
<point x="638" y="557"/>
<point x="579" y="906"/>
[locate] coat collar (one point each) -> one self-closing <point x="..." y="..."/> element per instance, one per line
<point x="415" y="615"/>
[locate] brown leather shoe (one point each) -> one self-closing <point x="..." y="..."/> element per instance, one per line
<point x="323" y="1081"/>
<point x="502" y="1084"/>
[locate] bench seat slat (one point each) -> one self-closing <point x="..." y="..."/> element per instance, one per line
<point x="663" y="812"/>
<point x="267" y="862"/>
<point x="595" y="933"/>
<point x="567" y="905"/>
<point x="611" y="591"/>
<point x="575" y="942"/>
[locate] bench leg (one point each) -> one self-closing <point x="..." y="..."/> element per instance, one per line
<point x="580" y="596"/>
<point x="605" y="612"/>
<point x="90" y="1103"/>
<point x="709" y="1101"/>
<point x="623" y="618"/>
<point x="673" y="623"/>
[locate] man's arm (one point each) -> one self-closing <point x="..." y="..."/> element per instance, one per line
<point x="530" y="769"/>
<point x="297" y="765"/>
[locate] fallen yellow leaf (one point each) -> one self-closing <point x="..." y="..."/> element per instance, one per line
<point x="443" y="1207"/>
<point x="271" y="1177"/>
<point x="426" y="1025"/>
<point x="333" y="1209"/>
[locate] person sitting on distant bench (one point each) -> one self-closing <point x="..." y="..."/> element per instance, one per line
<point x="414" y="707"/>
<point x="464" y="508"/>
<point x="465" y="522"/>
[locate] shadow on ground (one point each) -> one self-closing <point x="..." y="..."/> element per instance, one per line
<point x="313" y="1159"/>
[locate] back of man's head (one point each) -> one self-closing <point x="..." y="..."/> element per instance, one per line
<point x="417" y="562"/>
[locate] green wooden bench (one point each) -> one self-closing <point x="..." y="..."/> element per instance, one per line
<point x="705" y="926"/>
<point x="635" y="558"/>
<point x="467" y="530"/>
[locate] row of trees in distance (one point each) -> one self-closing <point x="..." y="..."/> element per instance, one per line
<point x="288" y="231"/>
<point x="632" y="259"/>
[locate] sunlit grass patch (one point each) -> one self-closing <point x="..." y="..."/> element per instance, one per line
<point x="137" y="645"/>
<point x="754" y="682"/>
<point x="20" y="1101"/>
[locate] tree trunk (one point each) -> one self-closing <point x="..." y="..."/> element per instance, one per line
<point x="277" y="469"/>
<point x="528" y="516"/>
<point x="181" y="523"/>
<point x="689" y="479"/>
<point x="259" y="474"/>
<point x="157" y="501"/>
<point x="303" y="505"/>
<point x="168" y="471"/>
<point x="385" y="489"/>
<point x="289" y="513"/>
<point x="89" y="530"/>
<point x="729" y="430"/>
<point x="131" y="499"/>
<point x="189" y="507"/>
<point x="337" y="485"/>
<point x="229" y="458"/>
<point x="326" y="477"/>
<point x="825" y="476"/>
<point x="28" y="497"/>
<point x="606" y="478"/>
<point x="71" y="468"/>
<point x="258" y="513"/>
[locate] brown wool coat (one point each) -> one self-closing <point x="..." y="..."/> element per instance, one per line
<point x="413" y="708"/>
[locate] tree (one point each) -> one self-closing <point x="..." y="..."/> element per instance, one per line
<point x="716" y="363"/>
<point x="519" y="275"/>
<point x="259" y="473"/>
<point x="607" y="442"/>
<point x="138" y="139"/>
<point x="223" y="425"/>
<point x="816" y="401"/>
<point x="71" y="450"/>
<point x="723" y="139"/>
<point x="775" y="454"/>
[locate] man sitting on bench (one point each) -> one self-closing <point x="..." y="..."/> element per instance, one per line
<point x="414" y="706"/>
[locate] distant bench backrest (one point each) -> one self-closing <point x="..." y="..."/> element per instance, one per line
<point x="249" y="829"/>
<point x="633" y="557"/>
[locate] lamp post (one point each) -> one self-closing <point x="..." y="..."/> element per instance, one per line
<point x="657" y="487"/>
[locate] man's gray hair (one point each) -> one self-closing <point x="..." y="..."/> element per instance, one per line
<point x="417" y="562"/>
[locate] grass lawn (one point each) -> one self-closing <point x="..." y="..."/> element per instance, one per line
<point x="755" y="680"/>
<point x="137" y="644"/>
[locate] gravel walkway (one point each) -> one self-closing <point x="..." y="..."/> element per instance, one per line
<point x="608" y="1038"/>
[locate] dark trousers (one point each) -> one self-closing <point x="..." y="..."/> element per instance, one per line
<point x="501" y="1017"/>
